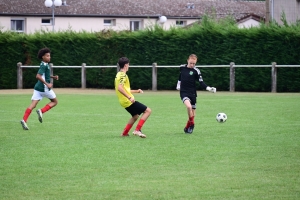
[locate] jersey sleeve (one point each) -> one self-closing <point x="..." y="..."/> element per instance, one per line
<point x="122" y="78"/>
<point x="199" y="77"/>
<point x="42" y="69"/>
<point x="180" y="68"/>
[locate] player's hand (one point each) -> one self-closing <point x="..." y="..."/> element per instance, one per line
<point x="131" y="99"/>
<point x="178" y="85"/>
<point x="211" y="89"/>
<point x="56" y="77"/>
<point x="140" y="91"/>
<point x="49" y="85"/>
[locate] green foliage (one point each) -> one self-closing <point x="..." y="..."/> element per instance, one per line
<point x="216" y="42"/>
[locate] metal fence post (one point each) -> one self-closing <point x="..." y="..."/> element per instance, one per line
<point x="232" y="77"/>
<point x="51" y="72"/>
<point x="274" y="77"/>
<point x="83" y="76"/>
<point x="154" y="76"/>
<point x="19" y="76"/>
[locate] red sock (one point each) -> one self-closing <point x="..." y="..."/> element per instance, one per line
<point x="191" y="119"/>
<point x="46" y="108"/>
<point x="140" y="125"/>
<point x="26" y="114"/>
<point x="127" y="129"/>
<point x="187" y="124"/>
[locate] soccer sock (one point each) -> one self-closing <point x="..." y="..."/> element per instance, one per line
<point x="127" y="129"/>
<point x="187" y="124"/>
<point x="191" y="119"/>
<point x="46" y="108"/>
<point x="140" y="125"/>
<point x="26" y="114"/>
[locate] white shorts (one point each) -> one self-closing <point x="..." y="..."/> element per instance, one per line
<point x="37" y="95"/>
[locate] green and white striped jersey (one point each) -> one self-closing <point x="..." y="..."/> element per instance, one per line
<point x="45" y="72"/>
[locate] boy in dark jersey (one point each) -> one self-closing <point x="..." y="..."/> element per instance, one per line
<point x="188" y="76"/>
<point x="41" y="89"/>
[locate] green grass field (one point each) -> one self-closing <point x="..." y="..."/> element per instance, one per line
<point x="77" y="152"/>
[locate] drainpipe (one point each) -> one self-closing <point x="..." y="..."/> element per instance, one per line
<point x="272" y="10"/>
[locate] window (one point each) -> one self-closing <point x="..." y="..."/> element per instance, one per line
<point x="135" y="25"/>
<point x="46" y="21"/>
<point x="18" y="25"/>
<point x="180" y="23"/>
<point x="109" y="22"/>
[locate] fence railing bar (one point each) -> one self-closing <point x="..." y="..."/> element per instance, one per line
<point x="154" y="67"/>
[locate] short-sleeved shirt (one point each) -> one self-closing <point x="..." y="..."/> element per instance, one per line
<point x="44" y="71"/>
<point x="122" y="78"/>
<point x="188" y="78"/>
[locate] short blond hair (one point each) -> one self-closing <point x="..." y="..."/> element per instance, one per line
<point x="193" y="56"/>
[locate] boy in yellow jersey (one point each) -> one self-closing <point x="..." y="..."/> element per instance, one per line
<point x="127" y="101"/>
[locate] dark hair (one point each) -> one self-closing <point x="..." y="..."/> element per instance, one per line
<point x="123" y="61"/>
<point x="42" y="52"/>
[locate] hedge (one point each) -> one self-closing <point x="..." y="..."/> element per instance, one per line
<point x="215" y="43"/>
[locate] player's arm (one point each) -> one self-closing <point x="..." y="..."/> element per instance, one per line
<point x="203" y="85"/>
<point x="137" y="91"/>
<point x="179" y="80"/>
<point x="54" y="77"/>
<point x="40" y="78"/>
<point x="122" y="91"/>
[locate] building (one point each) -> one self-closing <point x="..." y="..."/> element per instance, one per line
<point x="96" y="15"/>
<point x="291" y="9"/>
<point x="250" y="20"/>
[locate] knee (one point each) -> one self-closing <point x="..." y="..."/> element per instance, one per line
<point x="189" y="107"/>
<point x="54" y="102"/>
<point x="148" y="110"/>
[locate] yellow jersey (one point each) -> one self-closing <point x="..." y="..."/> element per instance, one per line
<point x="122" y="78"/>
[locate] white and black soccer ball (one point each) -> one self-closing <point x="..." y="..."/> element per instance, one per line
<point x="221" y="117"/>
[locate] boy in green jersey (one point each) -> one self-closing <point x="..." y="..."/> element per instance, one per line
<point x="41" y="89"/>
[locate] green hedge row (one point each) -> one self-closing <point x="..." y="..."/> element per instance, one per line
<point x="215" y="43"/>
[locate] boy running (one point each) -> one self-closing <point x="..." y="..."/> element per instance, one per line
<point x="41" y="89"/>
<point x="127" y="101"/>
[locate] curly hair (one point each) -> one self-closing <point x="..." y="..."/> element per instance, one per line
<point x="42" y="52"/>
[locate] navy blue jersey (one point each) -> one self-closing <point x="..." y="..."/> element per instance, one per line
<point x="188" y="78"/>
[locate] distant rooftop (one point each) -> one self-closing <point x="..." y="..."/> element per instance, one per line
<point x="137" y="8"/>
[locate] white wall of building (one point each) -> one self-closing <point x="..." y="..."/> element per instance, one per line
<point x="248" y="23"/>
<point x="291" y="8"/>
<point x="89" y="24"/>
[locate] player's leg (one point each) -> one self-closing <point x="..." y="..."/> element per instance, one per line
<point x="128" y="126"/>
<point x="192" y="118"/>
<point x="146" y="112"/>
<point x="188" y="105"/>
<point x="53" y="102"/>
<point x="36" y="97"/>
<point x="135" y="110"/>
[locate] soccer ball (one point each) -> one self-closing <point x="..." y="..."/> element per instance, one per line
<point x="221" y="117"/>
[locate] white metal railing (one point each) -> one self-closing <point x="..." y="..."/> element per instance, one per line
<point x="154" y="67"/>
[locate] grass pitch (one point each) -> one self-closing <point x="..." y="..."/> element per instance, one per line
<point x="77" y="152"/>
